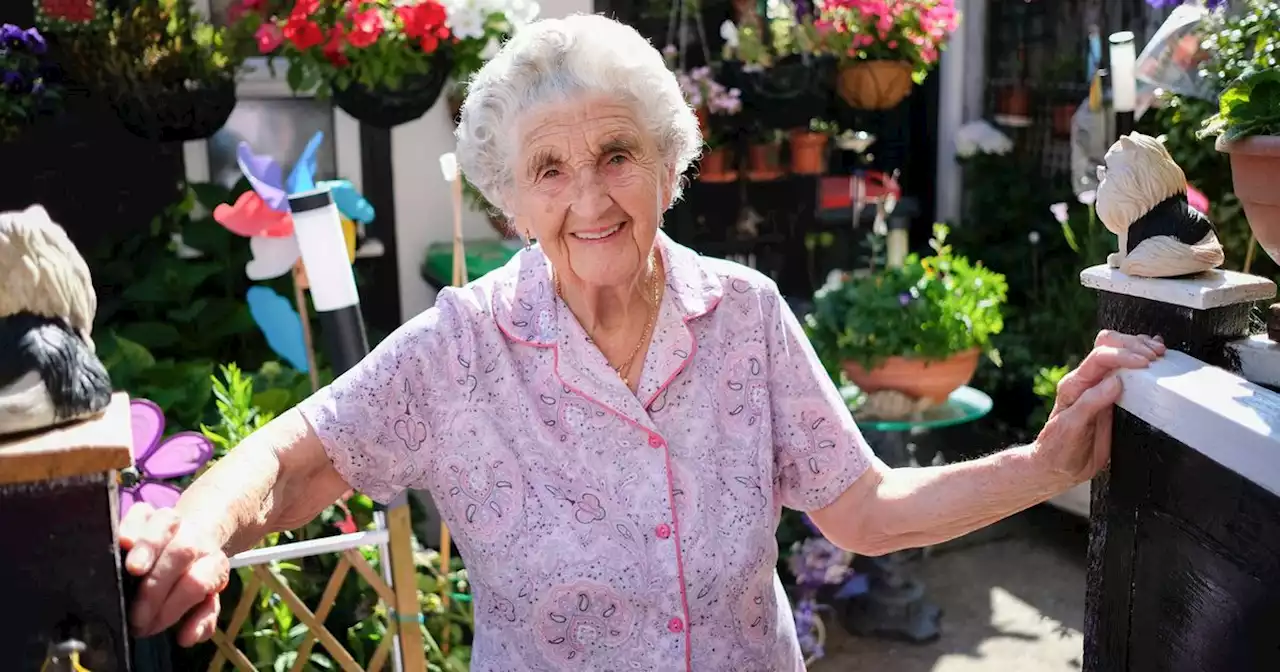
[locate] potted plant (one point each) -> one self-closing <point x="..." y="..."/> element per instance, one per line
<point x="479" y="29"/>
<point x="885" y="46"/>
<point x="24" y="92"/>
<point x="765" y="156"/>
<point x="717" y="107"/>
<point x="917" y="329"/>
<point x="809" y="147"/>
<point x="169" y="74"/>
<point x="785" y="76"/>
<point x="1247" y="126"/>
<point x="383" y="62"/>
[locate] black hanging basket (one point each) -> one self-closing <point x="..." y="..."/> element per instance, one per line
<point x="787" y="95"/>
<point x="175" y="113"/>
<point x="385" y="108"/>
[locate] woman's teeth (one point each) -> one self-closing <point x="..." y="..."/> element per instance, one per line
<point x="599" y="235"/>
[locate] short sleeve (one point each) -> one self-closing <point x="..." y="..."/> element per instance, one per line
<point x="818" y="450"/>
<point x="378" y="421"/>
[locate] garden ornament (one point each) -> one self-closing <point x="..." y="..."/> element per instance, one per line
<point x="156" y="461"/>
<point x="49" y="374"/>
<point x="1142" y="198"/>
<point x="262" y="215"/>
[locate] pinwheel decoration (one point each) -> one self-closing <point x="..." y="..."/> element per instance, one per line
<point x="156" y="461"/>
<point x="262" y="215"/>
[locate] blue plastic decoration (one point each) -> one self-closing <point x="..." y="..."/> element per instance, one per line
<point x="280" y="324"/>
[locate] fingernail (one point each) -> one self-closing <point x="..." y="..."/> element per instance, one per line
<point x="140" y="559"/>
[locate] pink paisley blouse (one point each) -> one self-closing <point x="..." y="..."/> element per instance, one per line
<point x="604" y="529"/>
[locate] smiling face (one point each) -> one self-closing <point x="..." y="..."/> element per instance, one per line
<point x="590" y="186"/>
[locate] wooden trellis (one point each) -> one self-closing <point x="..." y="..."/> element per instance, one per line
<point x="396" y="587"/>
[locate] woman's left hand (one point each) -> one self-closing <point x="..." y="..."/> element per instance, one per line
<point x="1076" y="441"/>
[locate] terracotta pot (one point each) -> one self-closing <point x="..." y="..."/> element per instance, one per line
<point x="917" y="378"/>
<point x="765" y="162"/>
<point x="1255" y="162"/>
<point x="808" y="152"/>
<point x="1013" y="101"/>
<point x="702" y="122"/>
<point x="717" y="166"/>
<point x="1063" y="115"/>
<point x="874" y="85"/>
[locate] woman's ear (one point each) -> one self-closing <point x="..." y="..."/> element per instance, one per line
<point x="668" y="186"/>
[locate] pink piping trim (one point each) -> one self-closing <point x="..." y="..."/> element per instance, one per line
<point x="666" y="459"/>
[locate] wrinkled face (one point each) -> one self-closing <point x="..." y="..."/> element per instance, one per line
<point x="590" y="187"/>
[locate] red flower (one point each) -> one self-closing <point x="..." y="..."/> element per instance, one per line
<point x="304" y="8"/>
<point x="302" y="32"/>
<point x="75" y="11"/>
<point x="333" y="48"/>
<point x="268" y="37"/>
<point x="365" y="28"/>
<point x="424" y="21"/>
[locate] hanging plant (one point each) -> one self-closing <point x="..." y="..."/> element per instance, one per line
<point x="383" y="62"/>
<point x="717" y="107"/>
<point x="884" y="46"/>
<point x="785" y="76"/>
<point x="168" y="74"/>
<point x="24" y="92"/>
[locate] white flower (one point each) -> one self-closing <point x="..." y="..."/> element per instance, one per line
<point x="521" y="13"/>
<point x="1059" y="211"/>
<point x="1087" y="197"/>
<point x="1034" y="237"/>
<point x="466" y="21"/>
<point x="979" y="137"/>
<point x="729" y="33"/>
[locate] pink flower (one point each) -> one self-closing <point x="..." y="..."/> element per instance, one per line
<point x="269" y="37"/>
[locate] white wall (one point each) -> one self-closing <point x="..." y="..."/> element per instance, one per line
<point x="424" y="210"/>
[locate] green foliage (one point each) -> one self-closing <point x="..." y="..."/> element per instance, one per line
<point x="149" y="45"/>
<point x="930" y="308"/>
<point x="26" y="95"/>
<point x="164" y="322"/>
<point x="1249" y="107"/>
<point x="1045" y="387"/>
<point x="1241" y="40"/>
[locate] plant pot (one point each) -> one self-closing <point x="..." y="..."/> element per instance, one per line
<point x="1255" y="162"/>
<point x="717" y="166"/>
<point x="787" y="94"/>
<point x="917" y="378"/>
<point x="765" y="162"/>
<point x="173" y="114"/>
<point x="874" y="85"/>
<point x="808" y="152"/>
<point x="1063" y="117"/>
<point x="385" y="108"/>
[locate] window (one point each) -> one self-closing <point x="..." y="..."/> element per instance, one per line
<point x="275" y="127"/>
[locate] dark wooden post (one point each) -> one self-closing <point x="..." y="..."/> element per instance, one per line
<point x="1184" y="547"/>
<point x="60" y="574"/>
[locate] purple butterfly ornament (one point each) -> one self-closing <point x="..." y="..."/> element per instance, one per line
<point x="154" y="461"/>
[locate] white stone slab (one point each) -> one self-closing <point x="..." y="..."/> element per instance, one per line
<point x="1211" y="289"/>
<point x="1259" y="359"/>
<point x="1232" y="421"/>
<point x="1074" y="501"/>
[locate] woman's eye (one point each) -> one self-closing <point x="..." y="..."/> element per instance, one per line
<point x="550" y="172"/>
<point x="617" y="160"/>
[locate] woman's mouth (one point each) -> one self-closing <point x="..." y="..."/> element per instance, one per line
<point x="600" y="235"/>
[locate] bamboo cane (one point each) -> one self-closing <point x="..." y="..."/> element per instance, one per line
<point x="300" y="298"/>
<point x="449" y="166"/>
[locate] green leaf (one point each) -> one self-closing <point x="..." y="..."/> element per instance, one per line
<point x="151" y="335"/>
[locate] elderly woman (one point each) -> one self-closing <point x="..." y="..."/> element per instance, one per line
<point x="610" y="424"/>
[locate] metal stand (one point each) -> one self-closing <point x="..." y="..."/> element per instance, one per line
<point x="894" y="604"/>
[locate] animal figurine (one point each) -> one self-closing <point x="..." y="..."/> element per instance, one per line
<point x="1142" y="198"/>
<point x="49" y="374"/>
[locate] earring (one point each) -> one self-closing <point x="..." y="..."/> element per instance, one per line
<point x="528" y="241"/>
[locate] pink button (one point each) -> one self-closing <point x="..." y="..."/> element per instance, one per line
<point x="656" y="441"/>
<point x="663" y="531"/>
<point x="675" y="625"/>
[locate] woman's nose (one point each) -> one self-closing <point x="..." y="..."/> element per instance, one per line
<point x="590" y="196"/>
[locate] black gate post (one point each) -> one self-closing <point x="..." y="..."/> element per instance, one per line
<point x="60" y="573"/>
<point x="1184" y="541"/>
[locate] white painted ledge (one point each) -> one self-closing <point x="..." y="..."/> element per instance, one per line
<point x="1230" y="420"/>
<point x="1211" y="289"/>
<point x="1259" y="359"/>
<point x="1074" y="501"/>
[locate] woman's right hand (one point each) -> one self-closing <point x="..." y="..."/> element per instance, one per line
<point x="182" y="572"/>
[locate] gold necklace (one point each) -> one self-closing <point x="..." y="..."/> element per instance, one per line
<point x="655" y="294"/>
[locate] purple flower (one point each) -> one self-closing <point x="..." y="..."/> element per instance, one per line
<point x="13" y="80"/>
<point x="35" y="41"/>
<point x="904" y="298"/>
<point x="1161" y="4"/>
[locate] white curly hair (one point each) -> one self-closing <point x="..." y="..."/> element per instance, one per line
<point x="552" y="60"/>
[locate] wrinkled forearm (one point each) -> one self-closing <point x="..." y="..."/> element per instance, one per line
<point x="914" y="507"/>
<point x="259" y="487"/>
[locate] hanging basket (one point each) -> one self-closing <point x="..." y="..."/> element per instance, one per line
<point x="874" y="85"/>
<point x="385" y="108"/>
<point x="171" y="113"/>
<point x="786" y="95"/>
